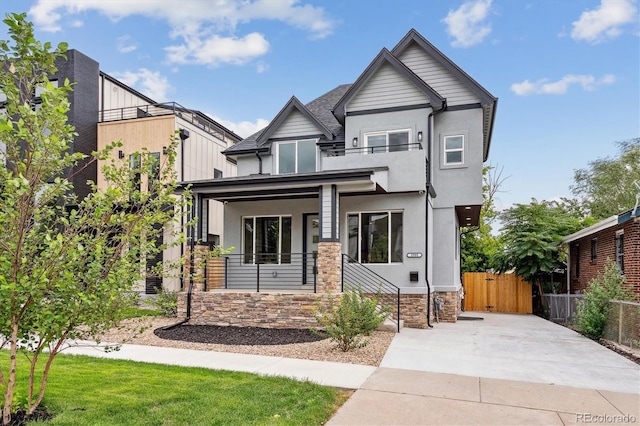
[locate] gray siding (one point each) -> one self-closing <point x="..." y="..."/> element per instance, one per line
<point x="295" y="125"/>
<point x="458" y="185"/>
<point x="386" y="89"/>
<point x="436" y="76"/>
<point x="445" y="261"/>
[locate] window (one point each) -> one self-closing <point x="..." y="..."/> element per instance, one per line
<point x="391" y="141"/>
<point x="620" y="250"/>
<point x="454" y="150"/>
<point x="594" y="249"/>
<point x="134" y="166"/>
<point x="155" y="169"/>
<point x="375" y="237"/>
<point x="217" y="174"/>
<point x="297" y="156"/>
<point x="267" y="239"/>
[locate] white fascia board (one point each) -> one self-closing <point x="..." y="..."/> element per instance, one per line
<point x="604" y="224"/>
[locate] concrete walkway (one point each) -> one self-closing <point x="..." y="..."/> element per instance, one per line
<point x="503" y="369"/>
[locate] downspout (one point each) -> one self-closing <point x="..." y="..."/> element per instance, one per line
<point x="430" y="126"/>
<point x="426" y="222"/>
<point x="259" y="162"/>
<point x="191" y="261"/>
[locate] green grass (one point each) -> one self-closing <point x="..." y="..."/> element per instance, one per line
<point x="136" y="312"/>
<point x="92" y="391"/>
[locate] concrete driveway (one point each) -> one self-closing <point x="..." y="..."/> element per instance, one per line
<point x="513" y="347"/>
<point x="501" y="369"/>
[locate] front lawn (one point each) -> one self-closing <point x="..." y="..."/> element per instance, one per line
<point x="92" y="391"/>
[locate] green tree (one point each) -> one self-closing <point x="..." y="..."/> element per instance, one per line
<point x="532" y="234"/>
<point x="606" y="186"/>
<point x="478" y="244"/>
<point x="66" y="265"/>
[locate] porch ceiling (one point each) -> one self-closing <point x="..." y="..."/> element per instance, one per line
<point x="303" y="185"/>
<point x="468" y="215"/>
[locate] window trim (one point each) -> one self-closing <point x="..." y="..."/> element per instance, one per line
<point x="253" y="253"/>
<point x="366" y="136"/>
<point x="359" y="242"/>
<point x="445" y="151"/>
<point x="294" y="141"/>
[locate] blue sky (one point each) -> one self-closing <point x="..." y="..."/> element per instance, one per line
<point x="566" y="72"/>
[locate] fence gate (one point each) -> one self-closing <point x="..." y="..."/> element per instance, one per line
<point x="505" y="293"/>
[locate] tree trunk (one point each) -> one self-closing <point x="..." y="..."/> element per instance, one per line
<point x="11" y="383"/>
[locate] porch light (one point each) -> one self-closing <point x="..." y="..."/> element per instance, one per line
<point x="419" y="136"/>
<point x="120" y="154"/>
<point x="354" y="142"/>
<point x="164" y="150"/>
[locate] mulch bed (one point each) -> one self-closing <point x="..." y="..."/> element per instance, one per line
<point x="243" y="336"/>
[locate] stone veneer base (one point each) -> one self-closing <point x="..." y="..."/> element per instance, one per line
<point x="280" y="310"/>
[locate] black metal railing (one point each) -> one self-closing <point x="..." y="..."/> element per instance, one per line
<point x="155" y="110"/>
<point x="356" y="276"/>
<point x="264" y="271"/>
<point x="338" y="152"/>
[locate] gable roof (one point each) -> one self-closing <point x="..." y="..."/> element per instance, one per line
<point x="293" y="105"/>
<point x="385" y="57"/>
<point x="320" y="111"/>
<point x="487" y="100"/>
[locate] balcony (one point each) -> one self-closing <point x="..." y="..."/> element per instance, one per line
<point x="405" y="163"/>
<point x="156" y="110"/>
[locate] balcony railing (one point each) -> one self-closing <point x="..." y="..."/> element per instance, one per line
<point x="337" y="152"/>
<point x="156" y="110"/>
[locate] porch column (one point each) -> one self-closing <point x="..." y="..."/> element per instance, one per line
<point x="329" y="247"/>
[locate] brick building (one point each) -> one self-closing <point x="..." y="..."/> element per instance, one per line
<point x="616" y="238"/>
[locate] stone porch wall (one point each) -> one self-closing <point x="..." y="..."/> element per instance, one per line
<point x="268" y="310"/>
<point x="281" y="310"/>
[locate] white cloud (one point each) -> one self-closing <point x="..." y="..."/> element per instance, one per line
<point x="262" y="67"/>
<point x="467" y="23"/>
<point x="77" y="23"/>
<point x="216" y="50"/>
<point x="203" y="26"/>
<point x="149" y="83"/>
<point x="560" y="87"/>
<point x="126" y="44"/>
<point x="604" y="22"/>
<point x="243" y="128"/>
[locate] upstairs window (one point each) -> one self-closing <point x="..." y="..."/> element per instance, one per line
<point x="391" y="141"/>
<point x="296" y="156"/>
<point x="594" y="249"/>
<point x="454" y="150"/>
<point x="217" y="174"/>
<point x="155" y="170"/>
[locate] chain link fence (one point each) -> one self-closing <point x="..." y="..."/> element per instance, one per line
<point x="623" y="323"/>
<point x="562" y="307"/>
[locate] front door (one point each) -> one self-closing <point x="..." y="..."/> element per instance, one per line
<point x="312" y="233"/>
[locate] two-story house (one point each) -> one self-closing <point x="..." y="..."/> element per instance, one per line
<point x="104" y="110"/>
<point x="382" y="172"/>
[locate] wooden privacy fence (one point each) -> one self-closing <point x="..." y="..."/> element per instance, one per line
<point x="506" y="293"/>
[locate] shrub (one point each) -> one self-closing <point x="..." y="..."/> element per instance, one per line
<point x="594" y="307"/>
<point x="166" y="303"/>
<point x="355" y="317"/>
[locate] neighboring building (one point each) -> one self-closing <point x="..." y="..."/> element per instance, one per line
<point x="104" y="110"/>
<point x="385" y="170"/>
<point x="616" y="238"/>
